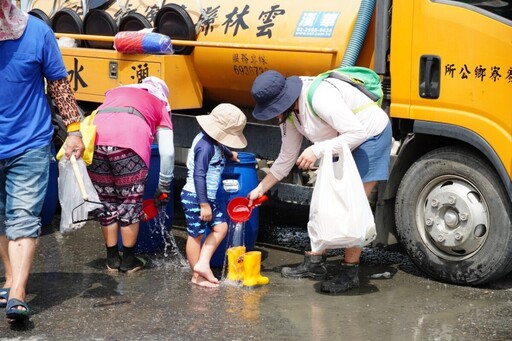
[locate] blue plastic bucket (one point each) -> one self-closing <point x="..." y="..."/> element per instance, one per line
<point x="51" y="200"/>
<point x="238" y="179"/>
<point x="151" y="239"/>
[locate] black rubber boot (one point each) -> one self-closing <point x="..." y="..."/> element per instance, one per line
<point x="130" y="263"/>
<point x="312" y="267"/>
<point x="113" y="258"/>
<point x="347" y="279"/>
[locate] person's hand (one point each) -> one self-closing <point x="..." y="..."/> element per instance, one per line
<point x="307" y="159"/>
<point x="161" y="197"/>
<point x="235" y="157"/>
<point x="206" y="212"/>
<point x="255" y="194"/>
<point x="74" y="144"/>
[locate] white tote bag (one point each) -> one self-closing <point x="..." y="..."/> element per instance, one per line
<point x="340" y="215"/>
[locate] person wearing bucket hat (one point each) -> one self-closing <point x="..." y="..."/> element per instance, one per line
<point x="335" y="119"/>
<point x="274" y="94"/>
<point x="31" y="63"/>
<point x="221" y="130"/>
<point x="131" y="118"/>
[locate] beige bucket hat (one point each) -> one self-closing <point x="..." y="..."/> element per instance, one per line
<point x="225" y="124"/>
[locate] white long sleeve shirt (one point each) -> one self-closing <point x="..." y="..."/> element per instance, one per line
<point x="333" y="102"/>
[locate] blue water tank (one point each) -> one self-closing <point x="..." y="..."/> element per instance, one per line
<point x="151" y="238"/>
<point x="51" y="200"/>
<point x="238" y="179"/>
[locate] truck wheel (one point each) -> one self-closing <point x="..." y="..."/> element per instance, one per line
<point x="453" y="217"/>
<point x="59" y="132"/>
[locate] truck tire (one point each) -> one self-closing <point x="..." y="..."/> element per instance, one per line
<point x="59" y="132"/>
<point x="453" y="216"/>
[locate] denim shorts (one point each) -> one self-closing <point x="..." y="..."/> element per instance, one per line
<point x="373" y="156"/>
<point x="195" y="226"/>
<point x="23" y="185"/>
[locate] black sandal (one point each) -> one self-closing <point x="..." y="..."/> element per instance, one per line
<point x="13" y="311"/>
<point x="4" y="295"/>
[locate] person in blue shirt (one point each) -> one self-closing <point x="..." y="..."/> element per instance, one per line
<point x="29" y="55"/>
<point x="221" y="129"/>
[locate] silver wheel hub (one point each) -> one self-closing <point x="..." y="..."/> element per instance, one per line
<point x="452" y="217"/>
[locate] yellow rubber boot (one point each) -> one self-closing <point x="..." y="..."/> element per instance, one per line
<point x="236" y="263"/>
<point x="252" y="268"/>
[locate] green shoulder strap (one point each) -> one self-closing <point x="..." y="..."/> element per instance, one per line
<point x="312" y="88"/>
<point x="375" y="95"/>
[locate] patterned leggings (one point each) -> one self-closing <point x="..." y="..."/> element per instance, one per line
<point x="119" y="176"/>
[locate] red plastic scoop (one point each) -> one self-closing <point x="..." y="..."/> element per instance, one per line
<point x="239" y="210"/>
<point x="150" y="209"/>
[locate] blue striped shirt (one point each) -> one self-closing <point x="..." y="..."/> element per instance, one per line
<point x="205" y="163"/>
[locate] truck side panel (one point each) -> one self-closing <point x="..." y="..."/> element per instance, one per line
<point x="94" y="71"/>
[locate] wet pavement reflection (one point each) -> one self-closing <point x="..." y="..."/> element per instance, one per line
<point x="74" y="297"/>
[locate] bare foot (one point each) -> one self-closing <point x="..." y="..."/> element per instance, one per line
<point x="206" y="272"/>
<point x="203" y="282"/>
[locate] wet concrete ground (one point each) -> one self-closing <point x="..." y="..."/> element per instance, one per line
<point x="73" y="297"/>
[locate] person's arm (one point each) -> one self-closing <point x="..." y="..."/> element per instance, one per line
<point x="331" y="107"/>
<point x="60" y="91"/>
<point x="202" y="159"/>
<point x="291" y="141"/>
<point x="62" y="95"/>
<point x="263" y="187"/>
<point x="229" y="154"/>
<point x="203" y="153"/>
<point x="165" y="139"/>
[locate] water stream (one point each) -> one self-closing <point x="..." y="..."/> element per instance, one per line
<point x="238" y="234"/>
<point x="232" y="244"/>
<point x="171" y="247"/>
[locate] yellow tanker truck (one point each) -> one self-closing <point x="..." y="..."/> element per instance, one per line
<point x="446" y="70"/>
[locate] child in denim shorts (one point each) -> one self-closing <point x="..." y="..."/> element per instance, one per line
<point x="221" y="129"/>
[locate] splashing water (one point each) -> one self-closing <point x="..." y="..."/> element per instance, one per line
<point x="169" y="240"/>
<point x="237" y="240"/>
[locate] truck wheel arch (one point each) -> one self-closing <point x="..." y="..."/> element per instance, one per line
<point x="469" y="138"/>
<point x="427" y="136"/>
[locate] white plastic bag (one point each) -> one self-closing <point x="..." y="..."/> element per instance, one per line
<point x="340" y="215"/>
<point x="71" y="198"/>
